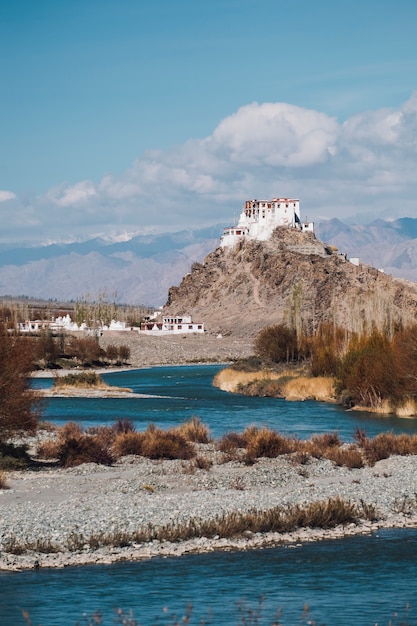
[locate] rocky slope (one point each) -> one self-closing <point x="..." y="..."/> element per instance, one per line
<point x="292" y="278"/>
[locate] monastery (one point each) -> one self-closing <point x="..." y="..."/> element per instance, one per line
<point x="259" y="218"/>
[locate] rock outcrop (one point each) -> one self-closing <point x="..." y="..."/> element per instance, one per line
<point x="292" y="278"/>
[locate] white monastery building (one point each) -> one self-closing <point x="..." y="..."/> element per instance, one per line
<point x="259" y="218"/>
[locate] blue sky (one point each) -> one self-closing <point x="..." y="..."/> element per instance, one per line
<point x="134" y="116"/>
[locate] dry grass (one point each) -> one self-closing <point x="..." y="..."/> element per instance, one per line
<point x="3" y="481"/>
<point x="319" y="388"/>
<point x="321" y="514"/>
<point x="407" y="409"/>
<point x="230" y="379"/>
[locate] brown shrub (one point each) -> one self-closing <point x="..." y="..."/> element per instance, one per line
<point x="123" y="426"/>
<point x="326" y="440"/>
<point x="154" y="443"/>
<point x="348" y="456"/>
<point x="160" y="444"/>
<point x="84" y="449"/>
<point x="70" y="430"/>
<point x="385" y="445"/>
<point x="128" y="443"/>
<point x="231" y="443"/>
<point x="48" y="449"/>
<point x="193" y="430"/>
<point x="267" y="443"/>
<point x="104" y="435"/>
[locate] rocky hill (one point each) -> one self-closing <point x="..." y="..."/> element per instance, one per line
<point x="292" y="278"/>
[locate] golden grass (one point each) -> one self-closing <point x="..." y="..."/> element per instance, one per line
<point x="407" y="409"/>
<point x="320" y="388"/>
<point x="230" y="379"/>
<point x="293" y="385"/>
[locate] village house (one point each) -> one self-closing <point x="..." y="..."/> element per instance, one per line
<point x="259" y="218"/>
<point x="171" y="325"/>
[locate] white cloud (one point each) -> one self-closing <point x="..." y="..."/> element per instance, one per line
<point x="276" y="134"/>
<point x="76" y="194"/>
<point x="367" y="163"/>
<point x="6" y="195"/>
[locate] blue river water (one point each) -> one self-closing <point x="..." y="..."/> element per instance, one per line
<point x="361" y="580"/>
<point x="177" y="393"/>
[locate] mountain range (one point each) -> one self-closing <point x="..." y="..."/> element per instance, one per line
<point x="141" y="269"/>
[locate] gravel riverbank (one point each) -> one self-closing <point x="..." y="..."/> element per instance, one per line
<point x="62" y="508"/>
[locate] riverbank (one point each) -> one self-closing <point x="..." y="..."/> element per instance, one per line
<point x="149" y="350"/>
<point x="62" y="514"/>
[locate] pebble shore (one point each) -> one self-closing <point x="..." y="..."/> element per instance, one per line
<point x="54" y="505"/>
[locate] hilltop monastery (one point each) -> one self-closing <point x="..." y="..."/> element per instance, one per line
<point x="259" y="218"/>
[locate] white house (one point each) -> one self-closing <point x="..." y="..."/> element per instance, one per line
<point x="171" y="326"/>
<point x="259" y="218"/>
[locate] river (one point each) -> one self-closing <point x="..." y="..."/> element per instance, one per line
<point x="360" y="580"/>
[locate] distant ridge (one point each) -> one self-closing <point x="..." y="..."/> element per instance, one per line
<point x="142" y="268"/>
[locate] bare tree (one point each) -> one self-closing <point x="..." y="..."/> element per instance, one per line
<point x="19" y="404"/>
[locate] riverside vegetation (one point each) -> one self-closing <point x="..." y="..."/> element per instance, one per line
<point x="373" y="371"/>
<point x="189" y="444"/>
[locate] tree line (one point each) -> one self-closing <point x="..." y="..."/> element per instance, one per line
<point x="368" y="368"/>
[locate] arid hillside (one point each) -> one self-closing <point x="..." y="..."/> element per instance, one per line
<point x="291" y="278"/>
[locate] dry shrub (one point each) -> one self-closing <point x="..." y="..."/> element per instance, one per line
<point x="264" y="442"/>
<point x="104" y="435"/>
<point x="326" y="440"/>
<point x="203" y="462"/>
<point x="385" y="445"/>
<point x="199" y="462"/>
<point x="74" y="447"/>
<point x="193" y="430"/>
<point x="48" y="449"/>
<point x="165" y="444"/>
<point x="85" y="449"/>
<point x="154" y="443"/>
<point x="128" y="443"/>
<point x="78" y="379"/>
<point x="3" y="481"/>
<point x="348" y="456"/>
<point x="230" y="443"/>
<point x="123" y="426"/>
<point x="301" y="457"/>
<point x="70" y="430"/>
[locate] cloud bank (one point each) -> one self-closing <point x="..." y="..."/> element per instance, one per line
<point x="363" y="165"/>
